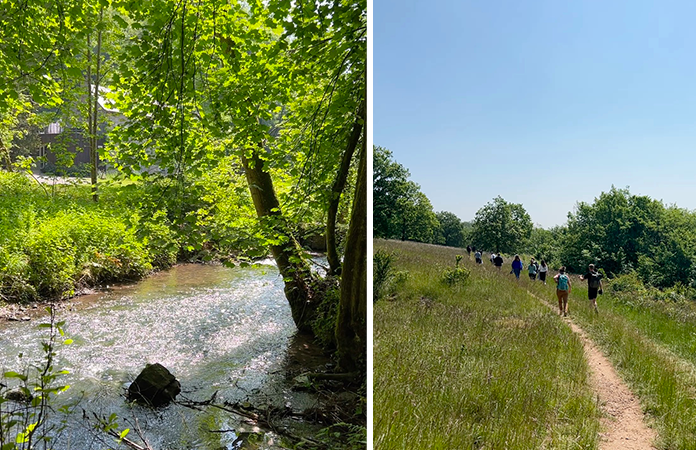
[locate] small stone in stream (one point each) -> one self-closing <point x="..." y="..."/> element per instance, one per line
<point x="155" y="386"/>
<point x="19" y="396"/>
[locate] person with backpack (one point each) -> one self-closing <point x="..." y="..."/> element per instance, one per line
<point x="594" y="285"/>
<point x="562" y="290"/>
<point x="517" y="266"/>
<point x="532" y="269"/>
<point x="477" y="255"/>
<point x="498" y="261"/>
<point x="543" y="270"/>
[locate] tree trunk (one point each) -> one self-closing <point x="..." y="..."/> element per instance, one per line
<point x="5" y="152"/>
<point x="94" y="108"/>
<point x="287" y="254"/>
<point x="351" y="328"/>
<point x="337" y="189"/>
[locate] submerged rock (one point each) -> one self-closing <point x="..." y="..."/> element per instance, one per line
<point x="155" y="386"/>
<point x="18" y="395"/>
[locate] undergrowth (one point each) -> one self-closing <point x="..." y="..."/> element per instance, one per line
<point x="54" y="240"/>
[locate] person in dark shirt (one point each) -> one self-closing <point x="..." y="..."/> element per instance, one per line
<point x="498" y="261"/>
<point x="468" y="250"/>
<point x="594" y="285"/>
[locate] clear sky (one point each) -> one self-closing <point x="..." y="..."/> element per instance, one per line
<point x="545" y="103"/>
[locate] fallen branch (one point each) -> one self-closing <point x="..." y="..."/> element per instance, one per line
<point x="332" y="376"/>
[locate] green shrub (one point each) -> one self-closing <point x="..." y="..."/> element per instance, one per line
<point x="456" y="276"/>
<point x="324" y="323"/>
<point x="13" y="281"/>
<point x="382" y="272"/>
<point x="628" y="283"/>
<point x="74" y="248"/>
<point x="160" y="240"/>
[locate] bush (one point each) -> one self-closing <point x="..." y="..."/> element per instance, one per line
<point x="382" y="273"/>
<point x="456" y="276"/>
<point x="324" y="323"/>
<point x="71" y="249"/>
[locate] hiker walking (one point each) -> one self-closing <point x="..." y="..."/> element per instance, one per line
<point x="562" y="290"/>
<point x="594" y="285"/>
<point x="498" y="261"/>
<point x="543" y="270"/>
<point x="477" y="255"/>
<point x="517" y="266"/>
<point x="468" y="250"/>
<point x="532" y="269"/>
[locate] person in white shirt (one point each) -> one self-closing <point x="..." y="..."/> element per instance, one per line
<point x="543" y="270"/>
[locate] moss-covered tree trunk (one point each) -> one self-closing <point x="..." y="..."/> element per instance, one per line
<point x="337" y="189"/>
<point x="294" y="270"/>
<point x="351" y="327"/>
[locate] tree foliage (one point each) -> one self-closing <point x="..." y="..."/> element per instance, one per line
<point x="622" y="232"/>
<point x="501" y="226"/>
<point x="451" y="230"/>
<point x="400" y="210"/>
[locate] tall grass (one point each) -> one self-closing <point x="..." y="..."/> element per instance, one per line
<point x="479" y="364"/>
<point x="650" y="347"/>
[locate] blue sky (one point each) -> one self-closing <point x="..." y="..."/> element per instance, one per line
<point x="545" y="103"/>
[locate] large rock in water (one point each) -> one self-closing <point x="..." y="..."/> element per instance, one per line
<point x="155" y="386"/>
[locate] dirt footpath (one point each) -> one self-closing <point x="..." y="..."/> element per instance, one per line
<point x="623" y="423"/>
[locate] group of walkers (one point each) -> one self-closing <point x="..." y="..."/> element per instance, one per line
<point x="563" y="287"/>
<point x="540" y="269"/>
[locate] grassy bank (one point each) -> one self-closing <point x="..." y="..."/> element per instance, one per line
<point x="474" y="364"/>
<point x="55" y="240"/>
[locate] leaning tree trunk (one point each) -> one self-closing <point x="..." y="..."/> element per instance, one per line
<point x="351" y="328"/>
<point x="5" y="153"/>
<point x="296" y="273"/>
<point x="337" y="189"/>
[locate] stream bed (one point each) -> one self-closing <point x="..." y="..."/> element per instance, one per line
<point x="216" y="329"/>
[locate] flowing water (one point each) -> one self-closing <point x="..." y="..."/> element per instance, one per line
<point x="214" y="328"/>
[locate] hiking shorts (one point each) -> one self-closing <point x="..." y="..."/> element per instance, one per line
<point x="592" y="293"/>
<point x="562" y="295"/>
<point x="532" y="276"/>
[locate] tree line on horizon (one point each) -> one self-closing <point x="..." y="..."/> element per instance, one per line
<point x="619" y="232"/>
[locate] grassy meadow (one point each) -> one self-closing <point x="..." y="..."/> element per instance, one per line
<point x="473" y="363"/>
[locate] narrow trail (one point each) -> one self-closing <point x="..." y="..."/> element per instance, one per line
<point x="623" y="422"/>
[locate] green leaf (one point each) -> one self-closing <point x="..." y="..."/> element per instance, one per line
<point x="12" y="374"/>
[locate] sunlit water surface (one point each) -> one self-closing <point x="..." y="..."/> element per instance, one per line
<point x="214" y="328"/>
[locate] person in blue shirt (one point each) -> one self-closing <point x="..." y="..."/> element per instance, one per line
<point x="517" y="266"/>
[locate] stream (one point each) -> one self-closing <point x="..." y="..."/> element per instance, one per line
<point x="215" y="328"/>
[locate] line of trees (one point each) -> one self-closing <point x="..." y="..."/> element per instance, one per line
<point x="401" y="211"/>
<point x="620" y="232"/>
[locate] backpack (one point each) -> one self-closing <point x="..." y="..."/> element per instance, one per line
<point x="563" y="282"/>
<point x="593" y="280"/>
